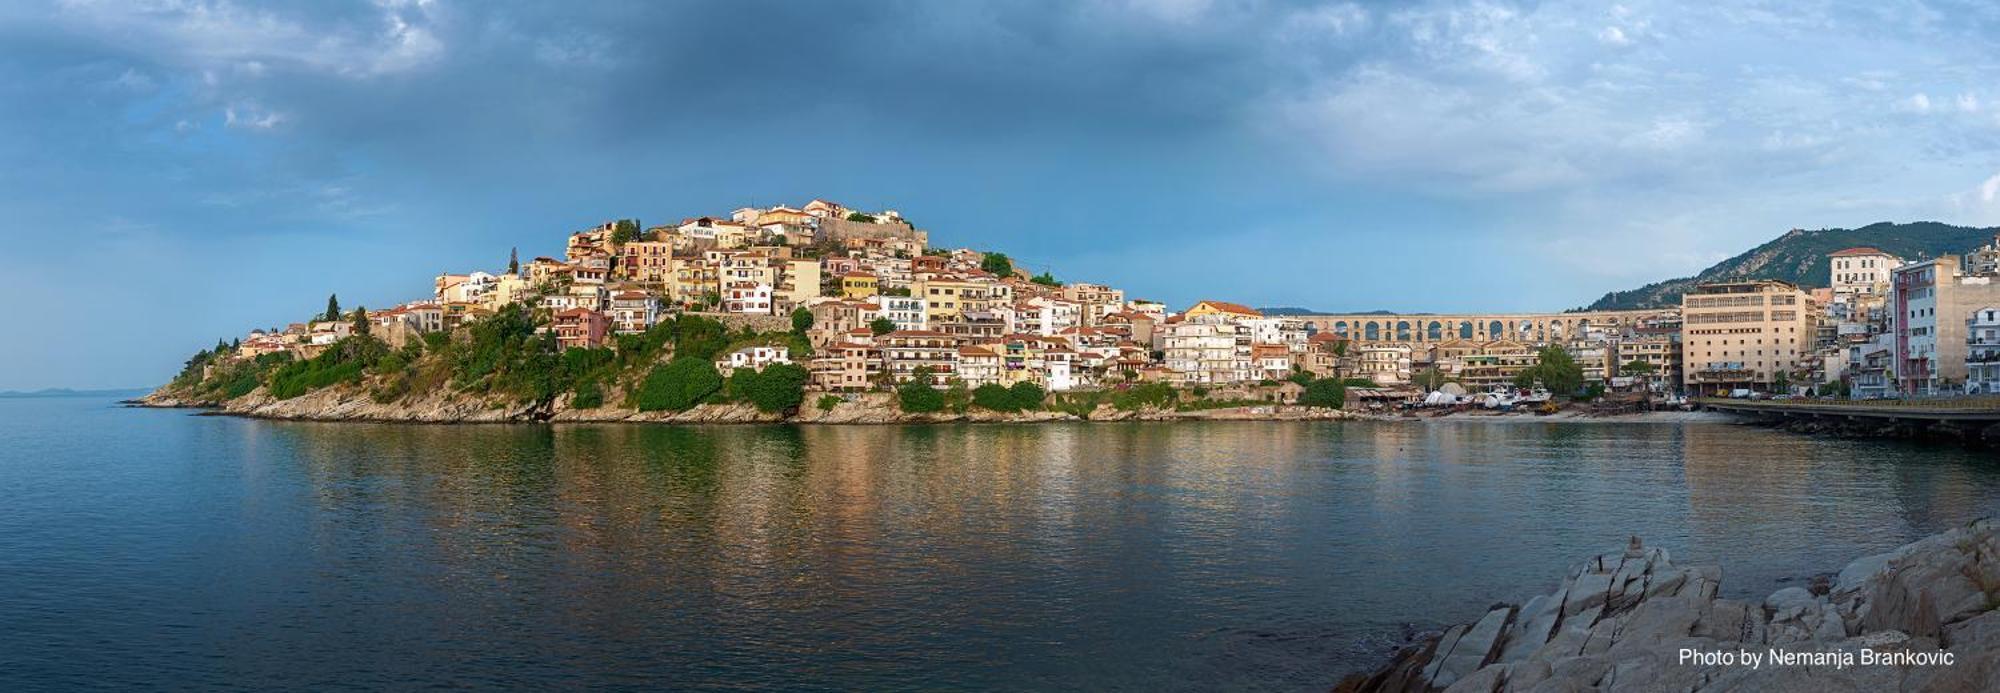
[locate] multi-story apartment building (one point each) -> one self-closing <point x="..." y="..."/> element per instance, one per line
<point x="633" y="311"/>
<point x="696" y="283"/>
<point x="1749" y="334"/>
<point x="650" y="262"/>
<point x="1287" y="332"/>
<point x="1205" y="349"/>
<point x="1662" y="352"/>
<point x="751" y="298"/>
<point x="905" y="351"/>
<point x="905" y="312"/>
<point x="1982" y="351"/>
<point x="798" y="281"/>
<point x="1861" y="271"/>
<point x="1929" y="302"/>
<point x="846" y="367"/>
<point x="1094" y="301"/>
<point x="1386" y="363"/>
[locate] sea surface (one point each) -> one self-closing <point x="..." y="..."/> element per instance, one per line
<point x="160" y="549"/>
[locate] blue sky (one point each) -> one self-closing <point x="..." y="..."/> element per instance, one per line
<point x="172" y="171"/>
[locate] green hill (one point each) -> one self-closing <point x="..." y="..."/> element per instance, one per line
<point x="1799" y="256"/>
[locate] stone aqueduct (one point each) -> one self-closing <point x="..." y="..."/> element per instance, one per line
<point x="1524" y="327"/>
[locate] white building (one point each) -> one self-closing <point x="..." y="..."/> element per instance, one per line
<point x="1290" y="332"/>
<point x="907" y="312"/>
<point x="634" y="311"/>
<point x="1207" y="350"/>
<point x="753" y="358"/>
<point x="1982" y="351"/>
<point x="1861" y="270"/>
<point x="747" y="297"/>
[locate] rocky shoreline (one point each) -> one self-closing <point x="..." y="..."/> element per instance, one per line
<point x="353" y="404"/>
<point x="1920" y="618"/>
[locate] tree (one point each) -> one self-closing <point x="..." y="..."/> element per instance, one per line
<point x="1325" y="392"/>
<point x="1028" y="396"/>
<point x="1429" y="379"/>
<point x="513" y="260"/>
<point x="802" y="320"/>
<point x="679" y="385"/>
<point x="1046" y="279"/>
<point x="995" y="397"/>
<point x="779" y="387"/>
<point x="997" y="264"/>
<point x="624" y="231"/>
<point x="1636" y="367"/>
<point x="361" y="320"/>
<point x="863" y="218"/>
<point x="881" y="326"/>
<point x="1782" y="382"/>
<point x="332" y="308"/>
<point x="1555" y="369"/>
<point x="918" y="396"/>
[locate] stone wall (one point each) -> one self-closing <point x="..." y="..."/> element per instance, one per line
<point x="761" y="323"/>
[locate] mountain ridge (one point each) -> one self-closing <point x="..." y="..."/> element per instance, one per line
<point x="1799" y="256"/>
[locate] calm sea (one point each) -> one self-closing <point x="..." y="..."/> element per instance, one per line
<point x="157" y="549"/>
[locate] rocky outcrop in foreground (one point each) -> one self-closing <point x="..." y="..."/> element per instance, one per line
<point x="1920" y="618"/>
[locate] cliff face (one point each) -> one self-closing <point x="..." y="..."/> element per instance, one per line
<point x="1625" y="621"/>
<point x="351" y="403"/>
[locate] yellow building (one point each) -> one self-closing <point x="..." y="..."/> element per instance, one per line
<point x="858" y="285"/>
<point x="1222" y="308"/>
<point x="650" y="262"/>
<point x="694" y="281"/>
<point x="945" y="296"/>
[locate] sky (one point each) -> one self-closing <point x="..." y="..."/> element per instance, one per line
<point x="173" y="171"/>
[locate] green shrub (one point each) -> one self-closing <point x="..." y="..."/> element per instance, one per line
<point x="993" y="396"/>
<point x="588" y="395"/>
<point x="1028" y="396"/>
<point x="918" y="397"/>
<point x="779" y="387"/>
<point x="1156" y="395"/>
<point x="996" y="397"/>
<point x="342" y="362"/>
<point x="1325" y="392"/>
<point x="678" y="386"/>
<point x="827" y="402"/>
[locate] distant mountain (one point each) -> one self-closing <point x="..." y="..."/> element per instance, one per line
<point x="66" y="392"/>
<point x="1799" y="256"/>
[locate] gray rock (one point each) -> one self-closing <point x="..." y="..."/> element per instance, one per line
<point x="1798" y="598"/>
<point x="1443" y="649"/>
<point x="1587" y="591"/>
<point x="1532" y="627"/>
<point x="1860" y="569"/>
<point x="1471" y="650"/>
<point x="1978" y="632"/>
<point x="1485" y="680"/>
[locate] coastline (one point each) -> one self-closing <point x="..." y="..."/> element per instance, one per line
<point x="341" y="404"/>
<point x="1631" y="620"/>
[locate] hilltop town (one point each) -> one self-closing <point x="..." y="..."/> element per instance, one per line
<point x="772" y="303"/>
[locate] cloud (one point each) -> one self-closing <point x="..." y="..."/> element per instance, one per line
<point x="1614" y="36"/>
<point x="1325" y="21"/>
<point x="251" y="116"/>
<point x="1916" y="103"/>
<point x="390" y="37"/>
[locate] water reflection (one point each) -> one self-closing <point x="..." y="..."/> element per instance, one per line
<point x="1137" y="556"/>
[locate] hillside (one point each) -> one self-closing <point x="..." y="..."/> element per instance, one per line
<point x="1799" y="256"/>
